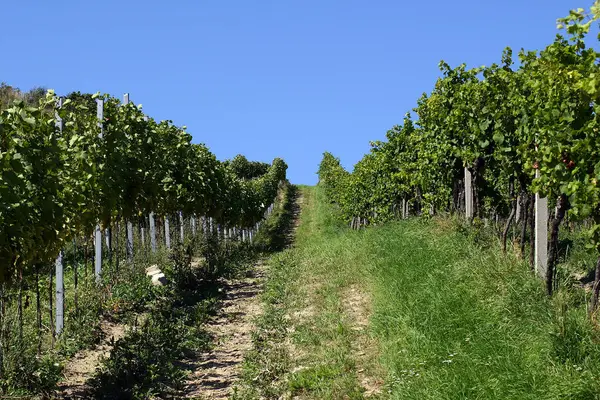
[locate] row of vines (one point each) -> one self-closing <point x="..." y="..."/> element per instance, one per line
<point x="518" y="130"/>
<point x="57" y="185"/>
<point x="67" y="169"/>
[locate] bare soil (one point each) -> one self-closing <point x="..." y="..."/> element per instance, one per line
<point x="82" y="366"/>
<point x="214" y="373"/>
<point x="357" y="307"/>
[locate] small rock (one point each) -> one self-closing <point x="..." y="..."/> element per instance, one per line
<point x="152" y="270"/>
<point x="159" y="279"/>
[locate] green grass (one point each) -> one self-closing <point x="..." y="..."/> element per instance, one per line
<point x="456" y="322"/>
<point x="449" y="319"/>
<point x="304" y="342"/>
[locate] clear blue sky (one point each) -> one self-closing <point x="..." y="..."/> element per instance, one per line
<point x="267" y="79"/>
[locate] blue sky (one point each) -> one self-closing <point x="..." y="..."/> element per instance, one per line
<point x="267" y="79"/>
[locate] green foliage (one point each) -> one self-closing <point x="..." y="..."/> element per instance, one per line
<point x="502" y="124"/>
<point x="55" y="186"/>
<point x="31" y="374"/>
<point x="144" y="362"/>
<point x="131" y="293"/>
<point x="274" y="232"/>
<point x="245" y="169"/>
<point x="182" y="275"/>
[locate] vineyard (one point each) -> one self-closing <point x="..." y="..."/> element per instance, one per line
<point x="89" y="183"/>
<point x="487" y="141"/>
<point x="460" y="258"/>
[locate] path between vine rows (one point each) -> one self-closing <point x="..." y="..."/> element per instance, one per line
<point x="215" y="373"/>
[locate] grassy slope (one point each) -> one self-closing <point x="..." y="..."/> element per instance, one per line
<point x="449" y="319"/>
<point x="456" y="321"/>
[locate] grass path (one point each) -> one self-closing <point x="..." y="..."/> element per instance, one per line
<point x="313" y="337"/>
<point x="418" y="309"/>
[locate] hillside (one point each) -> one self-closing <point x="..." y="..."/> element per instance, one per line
<point x="415" y="309"/>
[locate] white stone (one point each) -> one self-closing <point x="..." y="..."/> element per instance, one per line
<point x="159" y="279"/>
